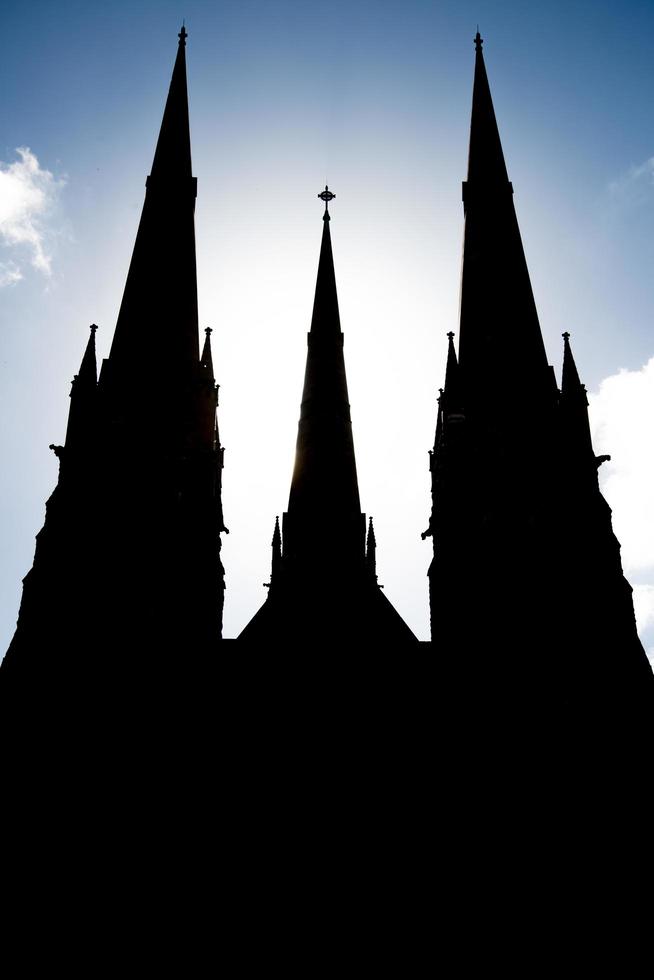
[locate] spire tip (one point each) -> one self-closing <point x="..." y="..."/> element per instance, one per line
<point x="182" y="36"/>
<point x="478" y="41"/>
<point x="326" y="196"/>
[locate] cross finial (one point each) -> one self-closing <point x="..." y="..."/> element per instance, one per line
<point x="93" y="327"/>
<point x="478" y="40"/>
<point x="450" y="335"/>
<point x="326" y="196"/>
<point x="566" y="335"/>
<point x="182" y="35"/>
<point x="208" y="331"/>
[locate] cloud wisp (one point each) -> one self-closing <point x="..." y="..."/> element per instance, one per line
<point x="635" y="186"/>
<point x="9" y="274"/>
<point x="28" y="195"/>
<point x="622" y="419"/>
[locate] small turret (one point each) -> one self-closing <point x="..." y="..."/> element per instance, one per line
<point x="276" y="554"/>
<point x="371" y="551"/>
<point x="452" y="394"/>
<point x="83" y="399"/>
<point x="575" y="423"/>
<point x="206" y="360"/>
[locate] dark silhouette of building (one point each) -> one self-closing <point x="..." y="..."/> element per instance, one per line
<point x="530" y="612"/>
<point x="323" y="590"/>
<point x="127" y="583"/>
<point x="529" y="606"/>
<point x="180" y="786"/>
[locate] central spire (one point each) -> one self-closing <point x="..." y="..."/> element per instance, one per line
<point x="324" y="485"/>
<point x="326" y="319"/>
<point x="323" y="593"/>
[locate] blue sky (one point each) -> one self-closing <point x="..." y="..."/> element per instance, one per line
<point x="373" y="98"/>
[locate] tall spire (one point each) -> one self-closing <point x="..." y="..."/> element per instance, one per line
<point x="157" y="330"/>
<point x="324" y="478"/>
<point x="485" y="157"/>
<point x="501" y="350"/>
<point x="323" y="589"/>
<point x="172" y="157"/>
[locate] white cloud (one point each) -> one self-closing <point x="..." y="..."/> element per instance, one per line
<point x="644" y="606"/>
<point x="28" y="195"/>
<point x="622" y="418"/>
<point x="10" y="274"/>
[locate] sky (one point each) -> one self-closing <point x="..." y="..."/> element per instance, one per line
<point x="372" y="98"/>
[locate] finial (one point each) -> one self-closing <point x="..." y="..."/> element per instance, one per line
<point x="450" y="335"/>
<point x="277" y="538"/>
<point x="93" y="327"/>
<point x="326" y="196"/>
<point x="478" y="40"/>
<point x="182" y="35"/>
<point x="208" y="331"/>
<point x="566" y="335"/>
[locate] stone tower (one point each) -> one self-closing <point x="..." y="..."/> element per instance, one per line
<point x="127" y="583"/>
<point x="530" y="611"/>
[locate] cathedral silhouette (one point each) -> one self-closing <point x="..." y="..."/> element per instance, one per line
<point x="532" y="620"/>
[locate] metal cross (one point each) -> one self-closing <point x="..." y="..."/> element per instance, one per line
<point x="326" y="196"/>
